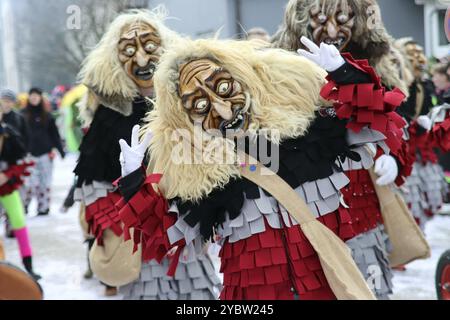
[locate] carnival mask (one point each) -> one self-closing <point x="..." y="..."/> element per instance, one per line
<point x="213" y="98"/>
<point x="335" y="28"/>
<point x="139" y="54"/>
<point x="417" y="59"/>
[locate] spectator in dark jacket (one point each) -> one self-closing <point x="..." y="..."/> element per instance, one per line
<point x="43" y="138"/>
<point x="13" y="118"/>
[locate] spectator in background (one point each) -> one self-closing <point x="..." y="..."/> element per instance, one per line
<point x="43" y="138"/>
<point x="8" y="101"/>
<point x="441" y="81"/>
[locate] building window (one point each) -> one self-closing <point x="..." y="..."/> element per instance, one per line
<point x="442" y="21"/>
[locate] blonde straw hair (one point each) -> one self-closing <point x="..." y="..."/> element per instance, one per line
<point x="284" y="90"/>
<point x="102" y="71"/>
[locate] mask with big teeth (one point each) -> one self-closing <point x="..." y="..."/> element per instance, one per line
<point x="211" y="96"/>
<point x="417" y="58"/>
<point x="332" y="28"/>
<point x="139" y="54"/>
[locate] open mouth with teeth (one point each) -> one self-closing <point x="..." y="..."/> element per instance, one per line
<point x="145" y="73"/>
<point x="239" y="122"/>
<point x="339" y="42"/>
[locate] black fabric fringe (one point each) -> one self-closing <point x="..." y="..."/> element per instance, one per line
<point x="100" y="149"/>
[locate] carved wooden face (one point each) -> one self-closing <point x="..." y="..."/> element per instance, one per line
<point x="333" y="28"/>
<point x="139" y="54"/>
<point x="417" y="58"/>
<point x="211" y="96"/>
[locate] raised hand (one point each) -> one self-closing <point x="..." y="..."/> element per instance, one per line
<point x="132" y="156"/>
<point x="386" y="168"/>
<point x="326" y="56"/>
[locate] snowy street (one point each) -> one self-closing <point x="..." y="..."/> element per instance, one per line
<point x="60" y="255"/>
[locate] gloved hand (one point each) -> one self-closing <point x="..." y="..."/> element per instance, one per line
<point x="386" y="168"/>
<point x="424" y="122"/>
<point x="132" y="156"/>
<point x="326" y="56"/>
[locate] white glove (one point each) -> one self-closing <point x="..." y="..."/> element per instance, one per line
<point x="386" y="168"/>
<point x="327" y="56"/>
<point x="132" y="156"/>
<point x="424" y="122"/>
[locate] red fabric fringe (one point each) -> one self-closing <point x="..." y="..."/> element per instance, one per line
<point x="15" y="175"/>
<point x="267" y="266"/>
<point x="406" y="159"/>
<point x="423" y="143"/>
<point x="441" y="135"/>
<point x="364" y="206"/>
<point x="370" y="105"/>
<point x="147" y="213"/>
<point x="102" y="215"/>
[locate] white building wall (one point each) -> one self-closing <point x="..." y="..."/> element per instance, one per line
<point x="10" y="76"/>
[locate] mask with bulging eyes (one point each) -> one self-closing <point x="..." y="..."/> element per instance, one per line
<point x="139" y="54"/>
<point x="335" y="28"/>
<point x="417" y="58"/>
<point x="212" y="97"/>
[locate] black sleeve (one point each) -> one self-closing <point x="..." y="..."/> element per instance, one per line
<point x="70" y="201"/>
<point x="25" y="132"/>
<point x="13" y="147"/>
<point x="348" y="74"/>
<point x="428" y="99"/>
<point x="131" y="184"/>
<point x="54" y="135"/>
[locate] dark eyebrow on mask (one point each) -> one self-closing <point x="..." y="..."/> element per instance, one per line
<point x="148" y="35"/>
<point x="185" y="97"/>
<point x="214" y="74"/>
<point x="127" y="41"/>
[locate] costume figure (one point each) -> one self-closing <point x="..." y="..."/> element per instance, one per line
<point x="441" y="81"/>
<point x="12" y="151"/>
<point x="378" y="136"/>
<point x="119" y="74"/>
<point x="214" y="92"/>
<point x="426" y="188"/>
<point x="440" y="132"/>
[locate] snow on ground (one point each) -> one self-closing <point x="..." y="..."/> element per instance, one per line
<point x="60" y="255"/>
<point x="57" y="241"/>
<point x="418" y="281"/>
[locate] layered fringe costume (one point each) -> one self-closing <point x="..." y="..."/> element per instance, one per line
<point x="426" y="188"/>
<point x="112" y="108"/>
<point x="264" y="254"/>
<point x="370" y="123"/>
<point x="440" y="133"/>
<point x="12" y="152"/>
